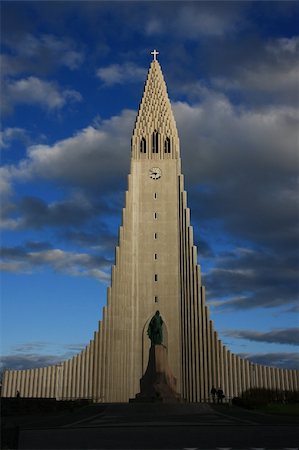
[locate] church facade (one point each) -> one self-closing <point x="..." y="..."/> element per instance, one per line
<point x="155" y="269"/>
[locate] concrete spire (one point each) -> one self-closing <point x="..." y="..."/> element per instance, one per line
<point x="155" y="116"/>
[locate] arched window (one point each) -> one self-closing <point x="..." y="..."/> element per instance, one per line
<point x="155" y="141"/>
<point x="167" y="145"/>
<point x="143" y="145"/>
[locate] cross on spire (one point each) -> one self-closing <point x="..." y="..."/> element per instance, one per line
<point x="155" y="53"/>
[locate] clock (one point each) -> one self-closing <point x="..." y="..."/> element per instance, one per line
<point x="155" y="173"/>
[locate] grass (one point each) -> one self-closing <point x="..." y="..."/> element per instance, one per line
<point x="290" y="409"/>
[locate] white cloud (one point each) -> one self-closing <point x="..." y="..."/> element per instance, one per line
<point x="95" y="154"/>
<point x="70" y="263"/>
<point x="262" y="78"/>
<point x="11" y="134"/>
<point x="34" y="91"/>
<point x="121" y="73"/>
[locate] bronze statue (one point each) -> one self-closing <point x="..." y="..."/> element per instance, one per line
<point x="154" y="330"/>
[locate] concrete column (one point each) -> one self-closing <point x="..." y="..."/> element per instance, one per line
<point x="272" y="378"/>
<point x="204" y="342"/>
<point x="22" y="383"/>
<point x="269" y="378"/>
<point x="230" y="375"/>
<point x="290" y="375"/>
<point x="213" y="355"/>
<point x="259" y="375"/>
<point x="201" y="392"/>
<point x="40" y="382"/>
<point x="278" y="380"/>
<point x="189" y="312"/>
<point x="193" y="299"/>
<point x="83" y="379"/>
<point x="296" y="379"/>
<point x="5" y="384"/>
<point x="72" y="377"/>
<point x="26" y="383"/>
<point x="242" y="374"/>
<point x="91" y="362"/>
<point x="95" y="367"/>
<point x="64" y="381"/>
<point x="35" y="382"/>
<point x="197" y="333"/>
<point x="78" y="374"/>
<point x="86" y="373"/>
<point x="18" y="381"/>
<point x="247" y="374"/>
<point x="51" y="388"/>
<point x="43" y="384"/>
<point x="69" y="378"/>
<point x="9" y="378"/>
<point x="31" y="379"/>
<point x="14" y="383"/>
<point x="209" y="355"/>
<point x="217" y="356"/>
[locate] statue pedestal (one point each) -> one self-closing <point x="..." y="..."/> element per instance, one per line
<point x="158" y="384"/>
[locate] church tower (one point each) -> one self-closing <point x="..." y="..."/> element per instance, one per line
<point x="155" y="269"/>
<point x="146" y="275"/>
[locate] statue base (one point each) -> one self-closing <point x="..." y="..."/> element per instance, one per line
<point x="158" y="384"/>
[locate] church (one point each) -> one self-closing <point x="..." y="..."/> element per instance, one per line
<point x="156" y="268"/>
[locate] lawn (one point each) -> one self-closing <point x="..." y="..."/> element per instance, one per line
<point x="291" y="409"/>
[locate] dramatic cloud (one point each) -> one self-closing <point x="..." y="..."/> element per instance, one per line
<point x="92" y="157"/>
<point x="8" y="135"/>
<point x="39" y="54"/>
<point x="281" y="360"/>
<point x="34" y="91"/>
<point x="22" y="260"/>
<point x="280" y="336"/>
<point x="247" y="279"/>
<point x="120" y="74"/>
<point x="35" y="213"/>
<point x="268" y="73"/>
<point x="220" y="162"/>
<point x="192" y="22"/>
<point x="28" y="361"/>
<point x="31" y="355"/>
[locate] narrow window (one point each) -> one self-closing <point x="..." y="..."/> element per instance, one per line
<point x="167" y="145"/>
<point x="155" y="215"/>
<point x="156" y="236"/>
<point x="156" y="299"/>
<point x="155" y="195"/>
<point x="155" y="139"/>
<point x="156" y="277"/>
<point x="143" y="145"/>
<point x="156" y="256"/>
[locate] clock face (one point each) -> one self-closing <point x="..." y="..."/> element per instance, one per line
<point x="155" y="173"/>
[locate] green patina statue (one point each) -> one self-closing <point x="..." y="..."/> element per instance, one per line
<point x="154" y="330"/>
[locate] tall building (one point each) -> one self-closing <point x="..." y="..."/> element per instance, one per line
<point x="155" y="269"/>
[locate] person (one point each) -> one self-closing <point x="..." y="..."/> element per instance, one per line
<point x="18" y="394"/>
<point x="213" y="394"/>
<point x="154" y="330"/>
<point x="220" y="395"/>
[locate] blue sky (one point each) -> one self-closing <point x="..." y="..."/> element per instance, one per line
<point x="72" y="78"/>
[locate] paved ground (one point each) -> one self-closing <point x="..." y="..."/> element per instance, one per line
<point x="153" y="426"/>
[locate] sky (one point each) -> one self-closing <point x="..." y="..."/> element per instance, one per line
<point x="72" y="78"/>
